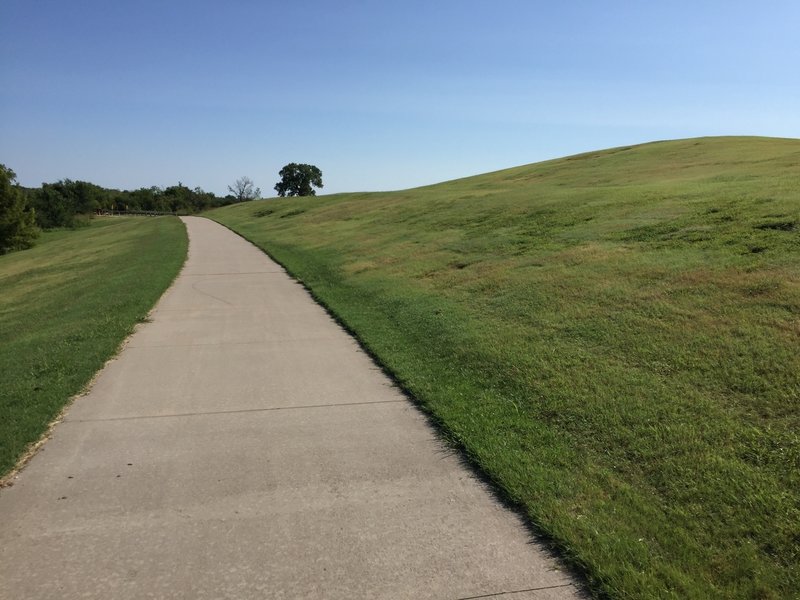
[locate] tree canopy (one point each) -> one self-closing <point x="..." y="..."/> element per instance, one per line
<point x="298" y="180"/>
<point x="17" y="227"/>
<point x="68" y="203"/>
<point x="60" y="204"/>
<point x="244" y="189"/>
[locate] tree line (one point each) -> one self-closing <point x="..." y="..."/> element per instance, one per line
<point x="26" y="211"/>
<point x="66" y="203"/>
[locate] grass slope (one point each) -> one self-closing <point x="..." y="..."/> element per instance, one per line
<point x="612" y="336"/>
<point x="66" y="305"/>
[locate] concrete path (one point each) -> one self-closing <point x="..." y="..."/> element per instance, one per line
<point x="243" y="446"/>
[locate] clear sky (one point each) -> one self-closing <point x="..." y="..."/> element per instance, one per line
<point x="379" y="95"/>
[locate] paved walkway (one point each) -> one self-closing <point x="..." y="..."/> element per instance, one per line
<point x="242" y="446"/>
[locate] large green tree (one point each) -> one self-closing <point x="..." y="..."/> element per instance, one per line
<point x="59" y="204"/>
<point x="17" y="221"/>
<point x="298" y="180"/>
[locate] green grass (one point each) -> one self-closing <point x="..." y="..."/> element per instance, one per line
<point x="613" y="337"/>
<point x="65" y="307"/>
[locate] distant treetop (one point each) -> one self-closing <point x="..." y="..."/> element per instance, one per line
<point x="298" y="180"/>
<point x="244" y="189"/>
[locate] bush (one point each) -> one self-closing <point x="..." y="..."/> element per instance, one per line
<point x="17" y="218"/>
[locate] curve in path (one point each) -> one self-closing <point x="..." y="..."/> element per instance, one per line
<point x="242" y="445"/>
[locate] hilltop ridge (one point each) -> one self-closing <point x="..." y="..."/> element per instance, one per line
<point x="612" y="338"/>
<point x="684" y="158"/>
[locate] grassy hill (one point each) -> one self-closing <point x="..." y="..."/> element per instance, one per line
<point x="66" y="305"/>
<point x="613" y="337"/>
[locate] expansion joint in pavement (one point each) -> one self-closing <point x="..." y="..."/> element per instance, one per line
<point x="231" y="412"/>
<point x="232" y="273"/>
<point x="501" y="594"/>
<point x="253" y="343"/>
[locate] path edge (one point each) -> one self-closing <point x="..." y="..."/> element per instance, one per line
<point x="32" y="449"/>
<point x="566" y="560"/>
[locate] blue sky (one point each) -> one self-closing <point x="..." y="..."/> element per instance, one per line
<point x="378" y="95"/>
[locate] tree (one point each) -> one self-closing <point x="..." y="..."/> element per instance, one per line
<point x="17" y="228"/>
<point x="244" y="189"/>
<point x="297" y="179"/>
<point x="60" y="204"/>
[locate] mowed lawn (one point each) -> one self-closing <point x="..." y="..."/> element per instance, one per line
<point x="613" y="337"/>
<point x="65" y="307"/>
